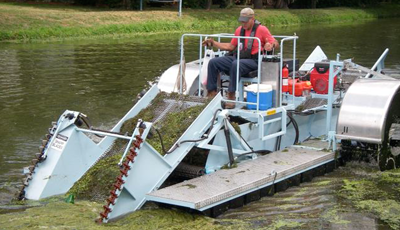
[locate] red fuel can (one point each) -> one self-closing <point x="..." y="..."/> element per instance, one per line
<point x="298" y="87"/>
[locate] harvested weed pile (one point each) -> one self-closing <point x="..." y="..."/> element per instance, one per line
<point x="171" y="114"/>
<point x="96" y="183"/>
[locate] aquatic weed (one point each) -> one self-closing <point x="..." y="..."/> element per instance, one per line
<point x="97" y="181"/>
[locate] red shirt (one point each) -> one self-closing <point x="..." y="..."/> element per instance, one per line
<point x="262" y="33"/>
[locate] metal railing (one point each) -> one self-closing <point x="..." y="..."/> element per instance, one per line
<point x="284" y="39"/>
<point x="218" y="37"/>
<point x="379" y="64"/>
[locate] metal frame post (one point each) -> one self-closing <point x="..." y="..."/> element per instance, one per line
<point x="379" y="64"/>
<point x="332" y="74"/>
<point x="286" y="38"/>
<point x="180" y="8"/>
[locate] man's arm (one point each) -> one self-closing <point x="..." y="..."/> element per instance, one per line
<point x="270" y="41"/>
<point x="269" y="46"/>
<point x="219" y="45"/>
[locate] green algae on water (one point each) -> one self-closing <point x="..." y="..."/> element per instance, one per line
<point x="323" y="183"/>
<point x="387" y="210"/>
<point x="81" y="216"/>
<point x="333" y="216"/>
<point x="284" y="224"/>
<point x="377" y="193"/>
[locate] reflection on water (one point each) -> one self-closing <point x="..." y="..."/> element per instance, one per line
<point x="101" y="78"/>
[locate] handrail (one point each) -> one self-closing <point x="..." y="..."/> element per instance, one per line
<point x="288" y="38"/>
<point x="379" y="64"/>
<point x="238" y="59"/>
<point x="225" y="35"/>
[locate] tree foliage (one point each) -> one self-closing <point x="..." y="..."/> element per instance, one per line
<point x="333" y="3"/>
<point x="256" y="4"/>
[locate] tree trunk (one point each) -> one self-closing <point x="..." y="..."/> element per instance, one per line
<point x="314" y="4"/>
<point x="208" y="5"/>
<point x="258" y="4"/>
<point x="281" y="4"/>
<point x="125" y="4"/>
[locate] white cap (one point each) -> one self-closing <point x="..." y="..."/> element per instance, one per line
<point x="246" y="14"/>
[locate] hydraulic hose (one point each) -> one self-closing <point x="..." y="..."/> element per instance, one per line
<point x="278" y="142"/>
<point x="228" y="142"/>
<point x="296" y="127"/>
<point x="254" y="151"/>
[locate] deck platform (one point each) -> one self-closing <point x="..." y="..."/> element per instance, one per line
<point x="224" y="185"/>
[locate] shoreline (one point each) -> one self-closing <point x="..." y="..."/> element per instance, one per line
<point x="47" y="22"/>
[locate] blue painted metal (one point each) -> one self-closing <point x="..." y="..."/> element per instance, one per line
<point x="70" y="153"/>
<point x="140" y="122"/>
<point x="334" y="68"/>
<point x="147" y="164"/>
<point x="379" y="64"/>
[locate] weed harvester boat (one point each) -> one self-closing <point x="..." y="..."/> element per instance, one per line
<point x="288" y="126"/>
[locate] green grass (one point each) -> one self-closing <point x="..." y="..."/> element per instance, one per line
<point x="26" y="22"/>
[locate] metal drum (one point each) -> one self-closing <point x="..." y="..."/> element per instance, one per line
<point x="369" y="108"/>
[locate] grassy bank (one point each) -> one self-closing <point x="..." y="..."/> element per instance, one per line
<point x="25" y="22"/>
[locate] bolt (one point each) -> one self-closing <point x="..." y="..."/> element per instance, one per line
<point x="31" y="168"/>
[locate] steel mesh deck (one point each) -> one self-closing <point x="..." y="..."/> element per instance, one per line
<point x="207" y="191"/>
<point x="313" y="103"/>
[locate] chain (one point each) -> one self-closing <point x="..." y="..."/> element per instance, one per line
<point x="120" y="181"/>
<point x="40" y="157"/>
